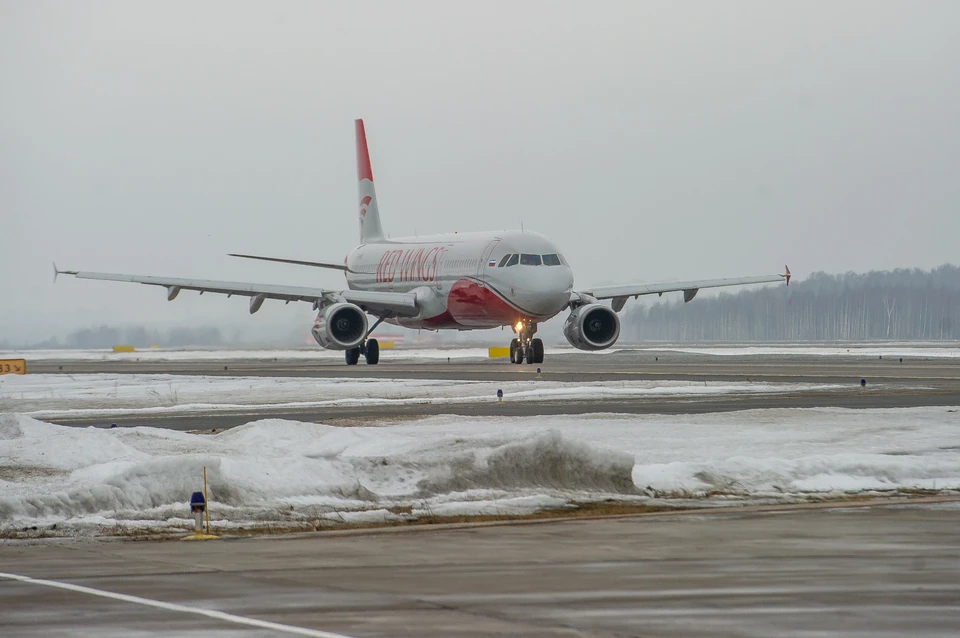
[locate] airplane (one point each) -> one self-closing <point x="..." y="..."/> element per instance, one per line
<point x="459" y="281"/>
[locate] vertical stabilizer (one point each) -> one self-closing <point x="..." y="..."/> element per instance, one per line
<point x="370" y="229"/>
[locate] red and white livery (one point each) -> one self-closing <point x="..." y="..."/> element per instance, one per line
<point x="462" y="281"/>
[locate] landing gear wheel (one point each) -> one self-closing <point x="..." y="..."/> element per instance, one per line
<point x="536" y="347"/>
<point x="516" y="351"/>
<point x="372" y="352"/>
<point x="351" y="356"/>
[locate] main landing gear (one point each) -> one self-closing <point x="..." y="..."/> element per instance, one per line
<point x="525" y="347"/>
<point x="370" y="350"/>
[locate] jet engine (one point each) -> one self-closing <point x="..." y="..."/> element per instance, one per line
<point x="592" y="327"/>
<point x="340" y="326"/>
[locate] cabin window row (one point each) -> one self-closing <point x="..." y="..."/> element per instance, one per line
<point x="522" y="259"/>
<point x="527" y="259"/>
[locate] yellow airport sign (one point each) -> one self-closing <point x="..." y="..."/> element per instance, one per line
<point x="497" y="353"/>
<point x="386" y="345"/>
<point x="124" y="349"/>
<point x="13" y="366"/>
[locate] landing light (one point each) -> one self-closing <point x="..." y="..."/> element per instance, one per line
<point x="519" y="326"/>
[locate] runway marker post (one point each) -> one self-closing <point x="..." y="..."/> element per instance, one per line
<point x="197" y="506"/>
<point x="206" y="511"/>
<point x="499" y="395"/>
<point x="200" y="511"/>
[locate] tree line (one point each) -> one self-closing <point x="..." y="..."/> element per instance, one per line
<point x="903" y="304"/>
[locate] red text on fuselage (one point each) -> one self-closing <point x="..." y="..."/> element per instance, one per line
<point x="412" y="264"/>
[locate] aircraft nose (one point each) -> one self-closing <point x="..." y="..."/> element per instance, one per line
<point x="552" y="290"/>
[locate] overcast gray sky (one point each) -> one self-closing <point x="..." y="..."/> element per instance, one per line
<point x="651" y="140"/>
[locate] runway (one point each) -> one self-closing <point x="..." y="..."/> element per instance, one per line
<point x="916" y="381"/>
<point x="891" y="571"/>
<point x="575" y="367"/>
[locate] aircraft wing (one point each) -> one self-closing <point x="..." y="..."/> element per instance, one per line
<point x="297" y="262"/>
<point x="376" y="303"/>
<point x="621" y="293"/>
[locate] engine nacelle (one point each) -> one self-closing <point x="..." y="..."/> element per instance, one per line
<point x="340" y="326"/>
<point x="592" y="327"/>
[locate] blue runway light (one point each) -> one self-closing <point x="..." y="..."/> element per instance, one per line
<point x="197" y="502"/>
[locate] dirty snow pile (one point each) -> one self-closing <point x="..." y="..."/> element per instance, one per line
<point x="285" y="473"/>
<point x="281" y="472"/>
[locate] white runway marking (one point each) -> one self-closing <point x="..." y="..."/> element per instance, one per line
<point x="209" y="613"/>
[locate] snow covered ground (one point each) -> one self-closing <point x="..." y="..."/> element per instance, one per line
<point x="49" y="396"/>
<point x="286" y="473"/>
<point x="872" y="350"/>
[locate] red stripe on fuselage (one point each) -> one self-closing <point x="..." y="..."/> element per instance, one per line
<point x="443" y="320"/>
<point x="471" y="304"/>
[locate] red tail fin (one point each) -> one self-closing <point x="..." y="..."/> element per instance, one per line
<point x="363" y="155"/>
<point x="370" y="229"/>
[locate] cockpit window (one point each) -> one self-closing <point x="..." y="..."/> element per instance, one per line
<point x="551" y="260"/>
<point x="514" y="260"/>
<point x="530" y="260"/>
<point x="563" y="260"/>
<point x="503" y="262"/>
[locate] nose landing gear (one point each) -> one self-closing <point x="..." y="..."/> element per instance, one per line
<point x="524" y="346"/>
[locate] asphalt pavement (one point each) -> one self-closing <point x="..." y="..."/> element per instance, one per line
<point x="877" y="571"/>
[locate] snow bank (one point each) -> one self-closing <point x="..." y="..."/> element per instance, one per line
<point x="279" y="471"/>
<point x="275" y="472"/>
<point x="544" y="460"/>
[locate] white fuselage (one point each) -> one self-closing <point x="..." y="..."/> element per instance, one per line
<point x="467" y="280"/>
